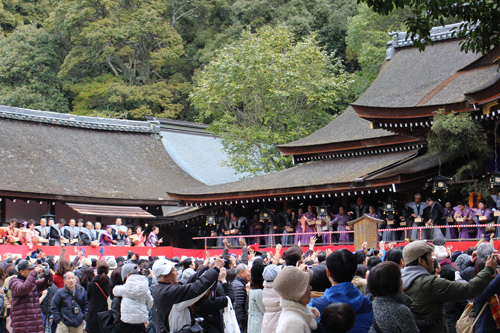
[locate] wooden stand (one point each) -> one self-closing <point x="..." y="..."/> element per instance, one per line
<point x="365" y="229"/>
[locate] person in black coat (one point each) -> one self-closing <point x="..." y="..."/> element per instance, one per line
<point x="240" y="295"/>
<point x="97" y="294"/>
<point x="45" y="304"/>
<point x="209" y="307"/>
<point x="70" y="306"/>
<point x="436" y="212"/>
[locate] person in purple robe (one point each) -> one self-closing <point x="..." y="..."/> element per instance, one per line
<point x="302" y="226"/>
<point x="449" y="212"/>
<point x="463" y="211"/>
<point x="372" y="212"/>
<point x="152" y="240"/>
<point x="106" y="238"/>
<point x="486" y="212"/>
<point x="340" y="220"/>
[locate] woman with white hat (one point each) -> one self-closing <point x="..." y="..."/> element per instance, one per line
<point x="293" y="285"/>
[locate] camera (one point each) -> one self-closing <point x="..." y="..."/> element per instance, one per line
<point x="76" y="310"/>
<point x="46" y="269"/>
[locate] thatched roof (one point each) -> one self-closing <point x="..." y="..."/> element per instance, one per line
<point x="44" y="153"/>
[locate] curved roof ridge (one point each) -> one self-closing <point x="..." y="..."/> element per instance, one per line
<point x="87" y="122"/>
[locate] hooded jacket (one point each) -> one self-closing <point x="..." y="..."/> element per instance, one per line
<point x="429" y="293"/>
<point x="136" y="299"/>
<point x="347" y="293"/>
<point x="295" y="318"/>
<point x="25" y="308"/>
<point x="271" y="301"/>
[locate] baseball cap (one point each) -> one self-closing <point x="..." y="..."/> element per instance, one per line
<point x="162" y="267"/>
<point x="25" y="264"/>
<point x="415" y="250"/>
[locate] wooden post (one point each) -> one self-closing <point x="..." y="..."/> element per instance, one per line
<point x="365" y="230"/>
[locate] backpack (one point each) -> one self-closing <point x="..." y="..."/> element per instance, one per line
<point x="468" y="318"/>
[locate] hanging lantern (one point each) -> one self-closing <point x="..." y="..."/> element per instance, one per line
<point x="494" y="179"/>
<point x="210" y="219"/>
<point x="265" y="214"/>
<point x="389" y="206"/>
<point x="322" y="210"/>
<point x="440" y="183"/>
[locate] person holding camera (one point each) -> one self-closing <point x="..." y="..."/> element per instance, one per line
<point x="70" y="306"/>
<point x="26" y="313"/>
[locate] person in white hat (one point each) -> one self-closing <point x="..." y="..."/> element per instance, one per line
<point x="172" y="300"/>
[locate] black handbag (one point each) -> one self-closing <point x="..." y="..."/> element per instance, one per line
<point x="106" y="321"/>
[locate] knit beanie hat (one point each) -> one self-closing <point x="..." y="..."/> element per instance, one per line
<point x="127" y="269"/>
<point x="292" y="283"/>
<point x="462" y="260"/>
<point x="270" y="272"/>
<point x="256" y="273"/>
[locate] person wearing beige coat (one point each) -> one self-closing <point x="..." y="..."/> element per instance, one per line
<point x="271" y="301"/>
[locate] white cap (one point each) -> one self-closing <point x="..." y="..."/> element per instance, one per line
<point x="162" y="267"/>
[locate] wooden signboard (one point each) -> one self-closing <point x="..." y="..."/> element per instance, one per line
<point x="365" y="229"/>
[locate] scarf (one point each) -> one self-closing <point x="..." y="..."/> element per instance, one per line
<point x="495" y="309"/>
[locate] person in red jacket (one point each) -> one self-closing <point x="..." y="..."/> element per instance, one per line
<point x="26" y="313"/>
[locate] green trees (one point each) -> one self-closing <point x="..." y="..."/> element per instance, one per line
<point x="265" y="90"/>
<point x="481" y="17"/>
<point x="28" y="70"/>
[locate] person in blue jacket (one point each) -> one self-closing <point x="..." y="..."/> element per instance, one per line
<point x="342" y="266"/>
<point x="70" y="306"/>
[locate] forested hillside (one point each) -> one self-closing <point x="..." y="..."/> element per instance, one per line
<point x="261" y="72"/>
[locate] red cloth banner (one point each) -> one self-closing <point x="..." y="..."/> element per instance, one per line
<point x="169" y="252"/>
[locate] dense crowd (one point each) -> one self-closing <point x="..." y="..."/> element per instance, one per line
<point x="451" y="222"/>
<point x="421" y="287"/>
<point x="77" y="233"/>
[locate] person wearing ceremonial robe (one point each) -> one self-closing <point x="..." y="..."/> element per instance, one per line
<point x="340" y="221"/>
<point x="449" y="212"/>
<point x="358" y="209"/>
<point x="372" y="212"/>
<point x="42" y="231"/>
<point x="436" y="212"/>
<point x="387" y="234"/>
<point x="80" y="225"/>
<point x="56" y="233"/>
<point x="487" y="213"/>
<point x="106" y="238"/>
<point x="494" y="206"/>
<point x="28" y="236"/>
<point x="71" y="233"/>
<point x="97" y="231"/>
<point x="225" y="226"/>
<point x="153" y="240"/>
<point x="302" y="226"/>
<point x="86" y="234"/>
<point x="241" y="225"/>
<point x="286" y="222"/>
<point x="119" y="232"/>
<point x="12" y="233"/>
<point x="465" y="212"/>
<point x="256" y="228"/>
<point x="418" y="213"/>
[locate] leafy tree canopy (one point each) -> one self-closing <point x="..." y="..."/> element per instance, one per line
<point x="265" y="90"/>
<point x="28" y="71"/>
<point x="480" y="27"/>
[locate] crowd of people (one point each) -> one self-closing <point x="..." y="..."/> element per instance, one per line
<point x="77" y="233"/>
<point x="421" y="287"/>
<point x="462" y="219"/>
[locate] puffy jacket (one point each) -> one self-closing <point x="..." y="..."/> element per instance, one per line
<point x="62" y="306"/>
<point x="429" y="293"/>
<point x="271" y="301"/>
<point x="120" y="326"/>
<point x="173" y="300"/>
<point x="347" y="293"/>
<point x="136" y="299"/>
<point x="25" y="308"/>
<point x="295" y="318"/>
<point x="240" y="302"/>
